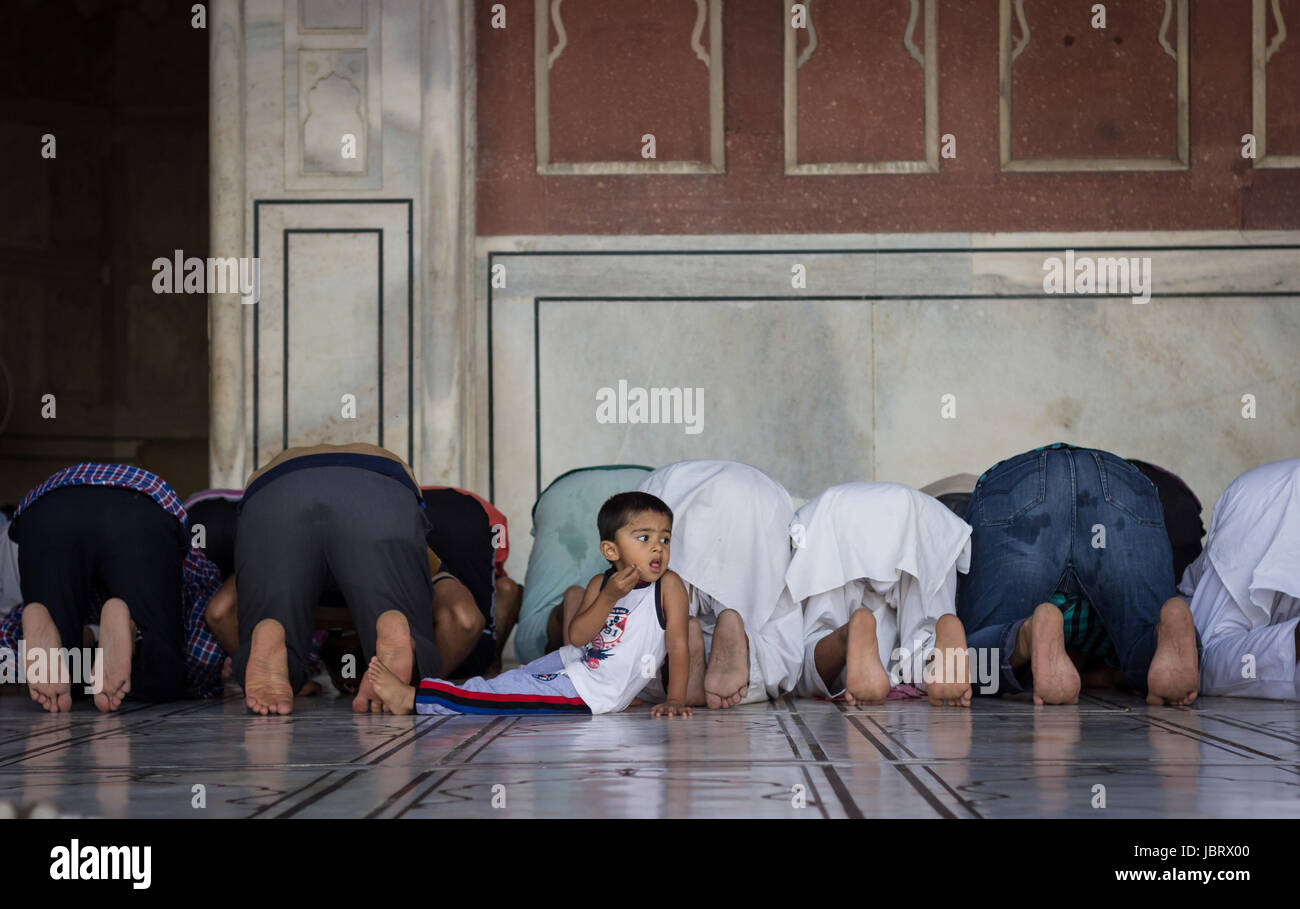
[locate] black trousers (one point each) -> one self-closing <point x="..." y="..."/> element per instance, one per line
<point x="359" y="529"/>
<point x="218" y="519"/>
<point x="79" y="545"/>
<point x="461" y="535"/>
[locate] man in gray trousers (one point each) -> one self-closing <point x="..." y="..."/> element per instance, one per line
<point x="350" y="514"/>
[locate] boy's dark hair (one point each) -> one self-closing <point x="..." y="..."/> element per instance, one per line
<point x="618" y="510"/>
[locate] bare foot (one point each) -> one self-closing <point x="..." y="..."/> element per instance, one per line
<point x="39" y="631"/>
<point x="695" y="694"/>
<point x="112" y="674"/>
<point x="227" y="668"/>
<point x="266" y="678"/>
<point x="865" y="679"/>
<point x="394" y="648"/>
<point x="948" y="674"/>
<point x="308" y="690"/>
<point x="726" y="680"/>
<point x="397" y="696"/>
<point x="1056" y="681"/>
<point x="1172" y="678"/>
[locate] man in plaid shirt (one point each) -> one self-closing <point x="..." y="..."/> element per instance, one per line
<point x="108" y="544"/>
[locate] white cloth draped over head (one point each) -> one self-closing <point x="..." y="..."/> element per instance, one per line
<point x="730" y="532"/>
<point x="876" y="531"/>
<point x="1254" y="539"/>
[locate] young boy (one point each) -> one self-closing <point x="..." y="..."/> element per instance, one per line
<point x="630" y="617"/>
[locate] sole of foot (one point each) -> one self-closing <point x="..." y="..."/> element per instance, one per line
<point x="39" y="631"/>
<point x="1172" y="676"/>
<point x="726" y="680"/>
<point x="948" y="677"/>
<point x="112" y="674"/>
<point x="394" y="649"/>
<point x="865" y="679"/>
<point x="266" y="678"/>
<point x="1056" y="681"/>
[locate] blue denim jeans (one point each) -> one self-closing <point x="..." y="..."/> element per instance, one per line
<point x="1039" y="521"/>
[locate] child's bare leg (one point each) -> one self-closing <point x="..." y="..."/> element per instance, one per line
<point x="397" y="696"/>
<point x="1172" y="676"/>
<point x="39" y="631"/>
<point x="948" y="673"/>
<point x="695" y="695"/>
<point x="112" y="674"/>
<point x="1041" y="643"/>
<point x="865" y="679"/>
<point x="726" y="678"/>
<point x="222" y="616"/>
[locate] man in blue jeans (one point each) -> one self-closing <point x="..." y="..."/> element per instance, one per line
<point x="1070" y="562"/>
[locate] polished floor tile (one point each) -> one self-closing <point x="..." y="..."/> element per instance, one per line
<point x="1109" y="756"/>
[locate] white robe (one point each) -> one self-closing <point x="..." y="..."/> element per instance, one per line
<point x="884" y="547"/>
<point x="731" y="545"/>
<point x="1245" y="586"/>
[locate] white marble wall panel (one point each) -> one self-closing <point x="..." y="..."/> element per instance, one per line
<point x="753" y="400"/>
<point x="401" y="74"/>
<point x="820" y="392"/>
<point x="333" y="87"/>
<point x="1161" y="382"/>
<point x="344" y="259"/>
<point x="335" y="349"/>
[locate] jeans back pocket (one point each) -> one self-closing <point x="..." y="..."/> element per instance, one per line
<point x="1012" y="489"/>
<point x="1128" y="489"/>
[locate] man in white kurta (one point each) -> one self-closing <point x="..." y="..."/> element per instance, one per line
<point x="1245" y="586"/>
<point x="883" y="547"/>
<point x="731" y="546"/>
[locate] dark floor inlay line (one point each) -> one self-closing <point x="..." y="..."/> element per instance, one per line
<point x="902" y="746"/>
<point x="410" y="736"/>
<point x="52" y="747"/>
<point x="1252" y="727"/>
<point x="487" y="741"/>
<point x="920" y="787"/>
<point x="1175" y="728"/>
<point x="780" y="721"/>
<point x="288" y="795"/>
<point x="471" y="740"/>
<point x="318" y="795"/>
<point x="961" y="799"/>
<point x="832" y="775"/>
<point x="812" y="788"/>
<point x="392" y="799"/>
<point x="423" y="795"/>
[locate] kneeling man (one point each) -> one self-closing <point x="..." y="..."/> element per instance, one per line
<point x="875" y="567"/>
<point x="1245" y="587"/>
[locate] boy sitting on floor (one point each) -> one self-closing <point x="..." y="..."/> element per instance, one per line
<point x="630" y="617"/>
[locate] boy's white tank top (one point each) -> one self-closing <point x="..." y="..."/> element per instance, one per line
<point x="626" y="653"/>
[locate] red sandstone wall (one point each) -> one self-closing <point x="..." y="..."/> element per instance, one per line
<point x="628" y="69"/>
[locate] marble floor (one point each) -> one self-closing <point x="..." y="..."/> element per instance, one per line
<point x="790" y="759"/>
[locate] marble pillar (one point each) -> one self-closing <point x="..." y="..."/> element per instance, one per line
<point x="339" y="133"/>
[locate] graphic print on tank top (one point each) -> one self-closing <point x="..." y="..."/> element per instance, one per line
<point x="603" y="642"/>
